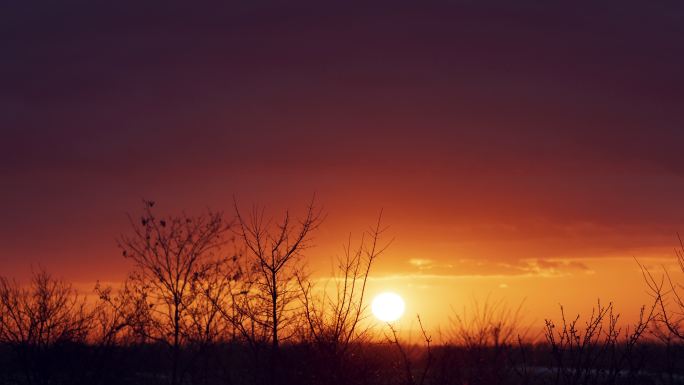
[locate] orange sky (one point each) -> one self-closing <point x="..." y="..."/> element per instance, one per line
<point x="437" y="266"/>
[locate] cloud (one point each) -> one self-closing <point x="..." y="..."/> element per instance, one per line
<point x="483" y="267"/>
<point x="549" y="267"/>
<point x="421" y="262"/>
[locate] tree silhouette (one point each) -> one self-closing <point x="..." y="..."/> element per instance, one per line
<point x="37" y="317"/>
<point x="173" y="257"/>
<point x="332" y="320"/>
<point x="276" y="251"/>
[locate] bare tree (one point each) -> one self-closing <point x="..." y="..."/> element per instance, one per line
<point x="173" y="256"/>
<point x="490" y="323"/>
<point x="600" y="351"/>
<point x="276" y="250"/>
<point x="122" y="315"/>
<point x="39" y="316"/>
<point x="408" y="365"/>
<point x="478" y="345"/>
<point x="46" y="312"/>
<point x="667" y="294"/>
<point x="206" y="326"/>
<point x="332" y="320"/>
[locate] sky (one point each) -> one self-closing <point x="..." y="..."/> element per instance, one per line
<point x="524" y="150"/>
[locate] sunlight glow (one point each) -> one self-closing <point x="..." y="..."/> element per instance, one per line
<point x="388" y="307"/>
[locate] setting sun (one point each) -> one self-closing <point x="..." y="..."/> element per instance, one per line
<point x="388" y="307"/>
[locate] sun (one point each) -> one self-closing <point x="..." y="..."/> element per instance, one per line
<point x="388" y="307"/>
